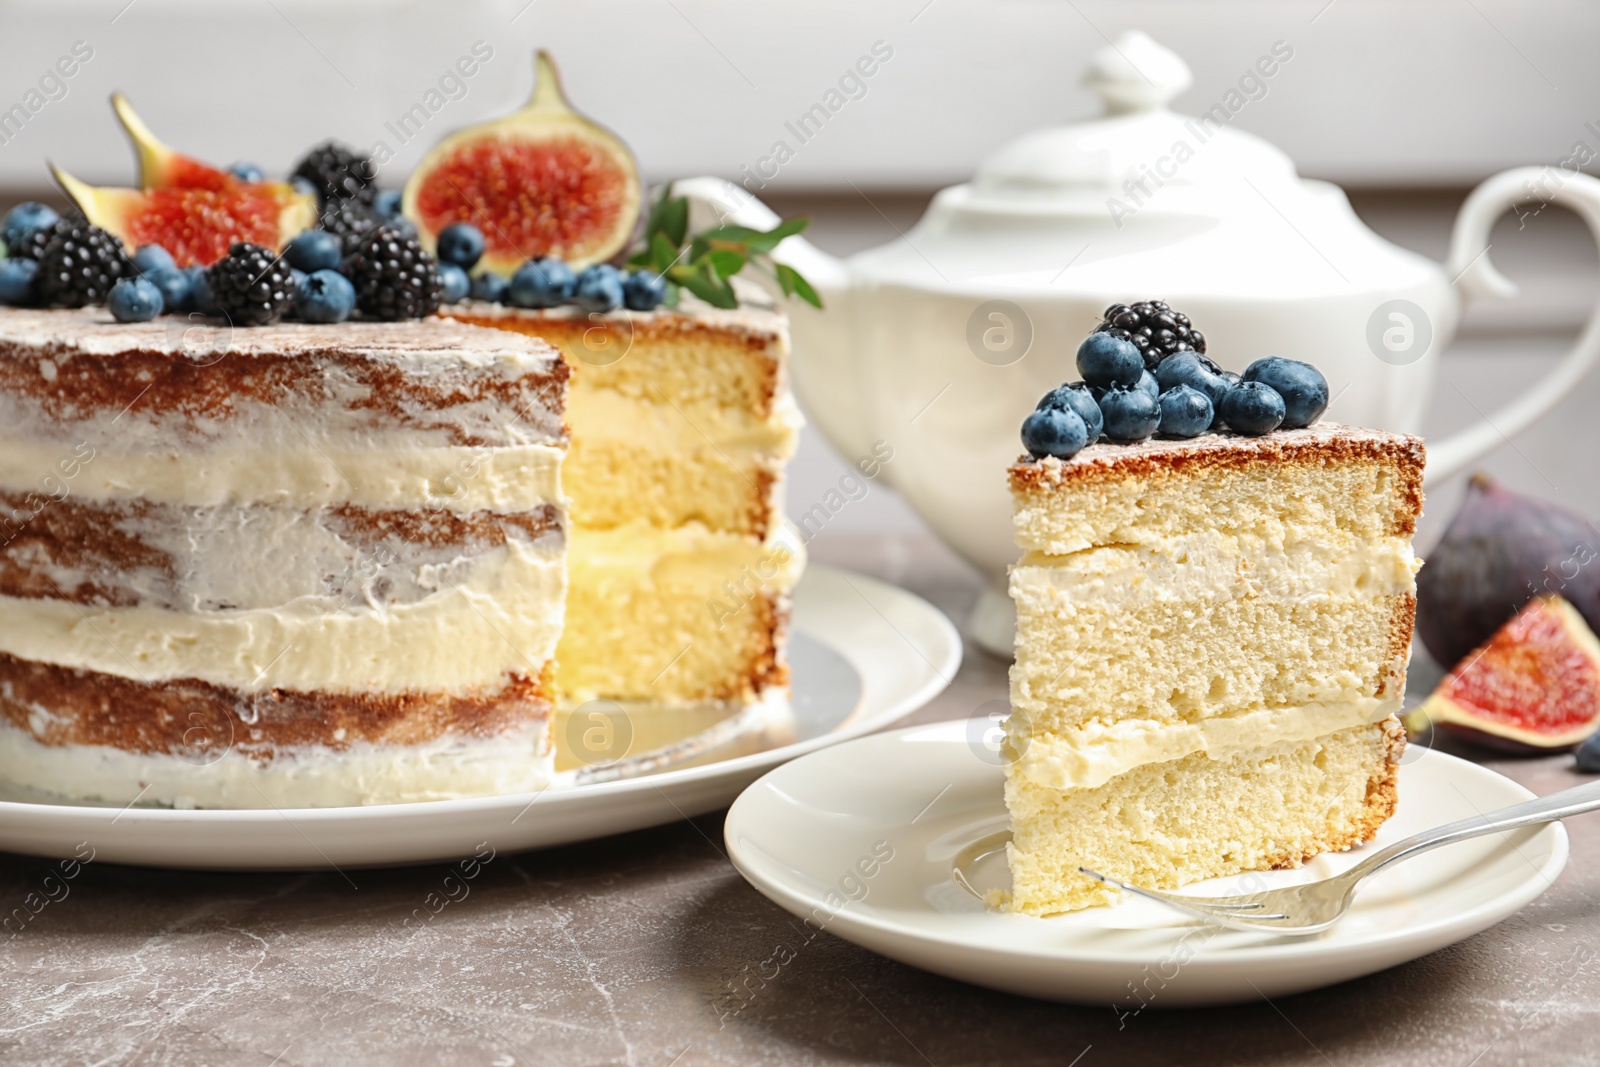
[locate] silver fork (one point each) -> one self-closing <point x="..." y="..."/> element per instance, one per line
<point x="1311" y="908"/>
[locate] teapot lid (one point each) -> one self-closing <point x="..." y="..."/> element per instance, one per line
<point x="1138" y="145"/>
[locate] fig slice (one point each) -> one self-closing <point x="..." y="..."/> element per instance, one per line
<point x="193" y="210"/>
<point x="159" y="166"/>
<point x="1534" y="686"/>
<point x="541" y="181"/>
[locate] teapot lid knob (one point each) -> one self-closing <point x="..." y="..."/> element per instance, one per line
<point x="1134" y="73"/>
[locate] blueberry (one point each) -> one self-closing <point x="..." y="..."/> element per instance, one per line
<point x="199" y="300"/>
<point x="387" y="203"/>
<point x="173" y="283"/>
<point x="314" y="250"/>
<point x="456" y="283"/>
<point x="491" y="287"/>
<point x="1589" y="755"/>
<point x="134" y="300"/>
<point x="24" y="220"/>
<point x="599" y="288"/>
<point x="149" y="257"/>
<point x="1130" y="414"/>
<point x="326" y="296"/>
<point x="1105" y="360"/>
<point x="402" y="225"/>
<point x="643" y="290"/>
<point x="1252" y="408"/>
<point x="303" y="185"/>
<point x="1077" y="397"/>
<point x="247" y="172"/>
<point x="1185" y="412"/>
<point x="460" y="243"/>
<point x="1195" y="371"/>
<point x="16" y="281"/>
<point x="1146" y="384"/>
<point x="1055" y="432"/>
<point x="542" y="283"/>
<point x="1302" y="386"/>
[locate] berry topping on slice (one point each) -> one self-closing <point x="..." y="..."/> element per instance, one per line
<point x="1057" y="432"/>
<point x="1078" y="397"/>
<point x="1185" y="412"/>
<point x="1104" y="360"/>
<point x="1252" y="408"/>
<point x="1130" y="414"/>
<point x="1302" y="386"/>
<point x="1154" y="328"/>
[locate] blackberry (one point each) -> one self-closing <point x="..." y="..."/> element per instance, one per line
<point x="350" y="221"/>
<point x="78" y="264"/>
<point x="393" y="276"/>
<point x="337" y="173"/>
<point x="251" y="285"/>
<point x="1155" y="328"/>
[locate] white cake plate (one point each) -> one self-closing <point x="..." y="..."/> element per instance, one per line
<point x="864" y="654"/>
<point x="865" y="839"/>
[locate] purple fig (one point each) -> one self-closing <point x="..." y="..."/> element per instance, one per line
<point x="1499" y="552"/>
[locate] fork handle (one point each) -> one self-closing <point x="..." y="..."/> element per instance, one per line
<point x="1574" y="801"/>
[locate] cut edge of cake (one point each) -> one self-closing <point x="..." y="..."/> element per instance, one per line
<point x="1125" y="541"/>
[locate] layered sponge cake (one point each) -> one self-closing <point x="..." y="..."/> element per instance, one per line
<point x="293" y="565"/>
<point x="1212" y="637"/>
<point x="680" y="570"/>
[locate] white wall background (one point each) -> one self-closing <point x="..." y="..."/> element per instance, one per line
<point x="1399" y="92"/>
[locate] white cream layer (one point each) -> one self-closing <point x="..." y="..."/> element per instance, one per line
<point x="308" y="777"/>
<point x="1214" y="566"/>
<point x="500" y="614"/>
<point x="459" y="478"/>
<point x="690" y="552"/>
<point x="1094" y="753"/>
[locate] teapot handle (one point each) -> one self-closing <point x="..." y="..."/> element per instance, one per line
<point x="1475" y="276"/>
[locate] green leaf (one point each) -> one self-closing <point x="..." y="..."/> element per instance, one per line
<point x="732" y="234"/>
<point x="702" y="281"/>
<point x="727" y="262"/>
<point x="766" y="242"/>
<point x="673" y="293"/>
<point x="675" y="221"/>
<point x="794" y="284"/>
<point x="652" y="222"/>
<point x="662" y="254"/>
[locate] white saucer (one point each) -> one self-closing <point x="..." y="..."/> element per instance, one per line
<point x="861" y="839"/>
<point x="864" y="654"/>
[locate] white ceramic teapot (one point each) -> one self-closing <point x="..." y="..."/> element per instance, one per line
<point x="941" y="342"/>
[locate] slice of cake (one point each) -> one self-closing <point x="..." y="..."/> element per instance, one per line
<point x="679" y="569"/>
<point x="1211" y="643"/>
<point x="1213" y="624"/>
<point x="290" y="565"/>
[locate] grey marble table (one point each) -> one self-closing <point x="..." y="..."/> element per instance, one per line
<point x="621" y="951"/>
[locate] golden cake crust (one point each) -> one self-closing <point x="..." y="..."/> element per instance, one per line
<point x="1320" y="444"/>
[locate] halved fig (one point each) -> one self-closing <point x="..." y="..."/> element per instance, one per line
<point x="1534" y="686"/>
<point x="542" y="181"/>
<point x="194" y="211"/>
<point x="159" y="166"/>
